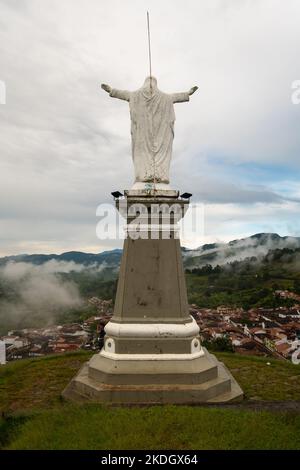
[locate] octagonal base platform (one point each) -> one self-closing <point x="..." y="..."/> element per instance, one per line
<point x="205" y="381"/>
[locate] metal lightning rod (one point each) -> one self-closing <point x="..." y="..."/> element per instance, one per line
<point x="150" y="67"/>
<point x="149" y="49"/>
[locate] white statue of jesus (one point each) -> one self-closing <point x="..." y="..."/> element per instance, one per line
<point x="152" y="128"/>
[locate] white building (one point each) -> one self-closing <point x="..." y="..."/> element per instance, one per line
<point x="15" y="341"/>
<point x="2" y="353"/>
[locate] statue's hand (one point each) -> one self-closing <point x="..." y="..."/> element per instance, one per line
<point x="192" y="90"/>
<point x="106" y="87"/>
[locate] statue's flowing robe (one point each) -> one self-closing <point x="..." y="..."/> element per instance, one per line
<point x="152" y="130"/>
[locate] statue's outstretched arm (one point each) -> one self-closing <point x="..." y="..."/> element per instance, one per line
<point x="114" y="93"/>
<point x="184" y="96"/>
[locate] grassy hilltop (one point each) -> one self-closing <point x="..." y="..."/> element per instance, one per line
<point x="35" y="417"/>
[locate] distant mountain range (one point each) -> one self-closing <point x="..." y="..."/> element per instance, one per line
<point x="111" y="257"/>
<point x="257" y="246"/>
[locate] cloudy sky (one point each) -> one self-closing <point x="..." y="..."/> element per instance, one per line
<point x="65" y="145"/>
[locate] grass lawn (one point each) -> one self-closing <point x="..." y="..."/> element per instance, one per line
<point x="278" y="381"/>
<point x="35" y="417"/>
<point x="157" y="427"/>
<point x="37" y="383"/>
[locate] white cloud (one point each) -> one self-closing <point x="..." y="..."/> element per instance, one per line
<point x="38" y="290"/>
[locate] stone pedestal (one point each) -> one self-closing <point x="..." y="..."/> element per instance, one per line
<point x="152" y="351"/>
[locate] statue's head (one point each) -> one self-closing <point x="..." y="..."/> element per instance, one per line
<point x="149" y="88"/>
<point x="150" y="82"/>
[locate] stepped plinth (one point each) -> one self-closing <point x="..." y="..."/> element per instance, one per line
<point x="152" y="351"/>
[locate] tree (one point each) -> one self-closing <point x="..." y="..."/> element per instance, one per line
<point x="222" y="343"/>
